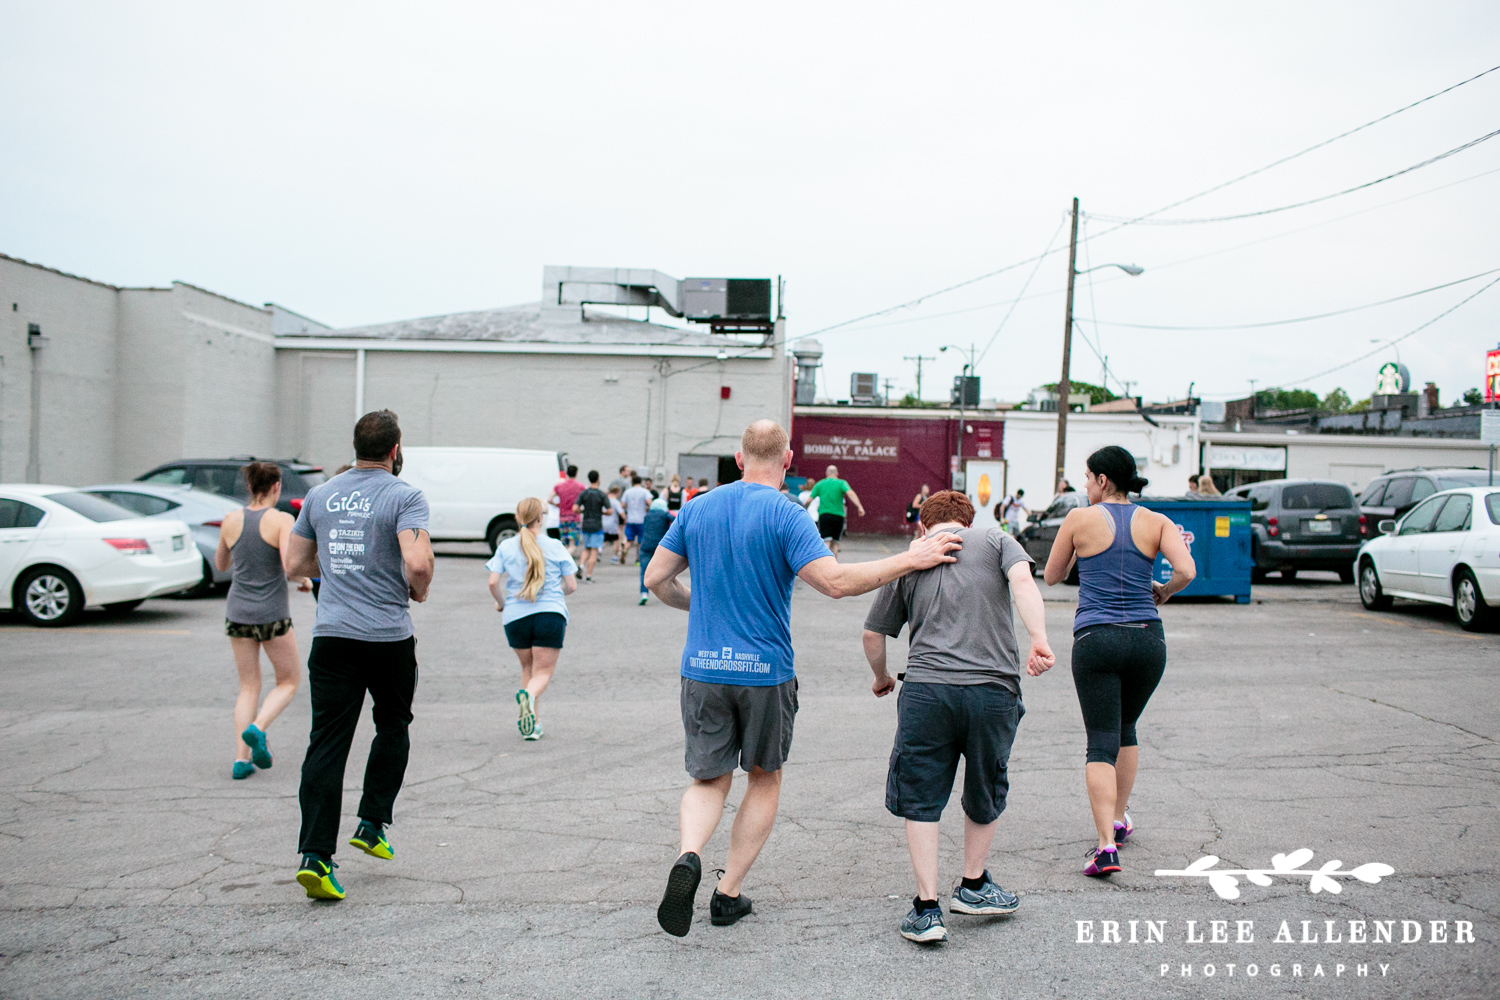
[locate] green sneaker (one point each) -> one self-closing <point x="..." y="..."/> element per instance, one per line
<point x="260" y="751"/>
<point x="370" y="838"/>
<point x="316" y="876"/>
<point x="527" y="721"/>
<point x="242" y="769"/>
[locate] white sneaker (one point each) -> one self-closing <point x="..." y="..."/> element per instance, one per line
<point x="643" y="599"/>
<point x="536" y="733"/>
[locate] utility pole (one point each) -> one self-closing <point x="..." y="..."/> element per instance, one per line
<point x="919" y="359"/>
<point x="1064" y="385"/>
<point x="886" y="399"/>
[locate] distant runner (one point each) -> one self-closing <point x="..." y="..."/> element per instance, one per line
<point x="745" y="543"/>
<point x="829" y="493"/>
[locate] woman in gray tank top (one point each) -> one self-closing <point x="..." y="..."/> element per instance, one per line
<point x="257" y="614"/>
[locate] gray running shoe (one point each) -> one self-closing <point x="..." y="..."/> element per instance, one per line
<point x="988" y="900"/>
<point x="926" y="927"/>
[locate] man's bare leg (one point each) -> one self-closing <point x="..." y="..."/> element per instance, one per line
<point x="977" y="841"/>
<point x="752" y="826"/>
<point x="922" y="843"/>
<point x="702" y="808"/>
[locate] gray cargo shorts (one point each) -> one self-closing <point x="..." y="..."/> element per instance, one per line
<point x="729" y="724"/>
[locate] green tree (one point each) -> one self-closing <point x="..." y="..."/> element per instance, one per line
<point x="1286" y="399"/>
<point x="1336" y="401"/>
<point x="1361" y="406"/>
<point x="1473" y="397"/>
<point x="1097" y="393"/>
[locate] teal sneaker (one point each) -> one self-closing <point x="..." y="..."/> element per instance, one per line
<point x="316" y="876"/>
<point x="527" y="721"/>
<point x="924" y="926"/>
<point x="260" y="752"/>
<point x="370" y="838"/>
<point x="242" y="769"/>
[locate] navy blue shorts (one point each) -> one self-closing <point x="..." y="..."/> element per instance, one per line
<point x="935" y="724"/>
<point x="545" y="629"/>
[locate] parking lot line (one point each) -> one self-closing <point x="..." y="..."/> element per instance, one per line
<point x="120" y="631"/>
<point x="1391" y="621"/>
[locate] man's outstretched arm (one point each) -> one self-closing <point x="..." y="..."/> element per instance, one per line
<point x="835" y="579"/>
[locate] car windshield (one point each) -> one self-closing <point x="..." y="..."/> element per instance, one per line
<point x="92" y="507"/>
<point x="1454" y="480"/>
<point x="1316" y="496"/>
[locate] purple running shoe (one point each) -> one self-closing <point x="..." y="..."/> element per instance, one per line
<point x="1102" y="862"/>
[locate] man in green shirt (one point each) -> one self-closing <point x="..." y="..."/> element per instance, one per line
<point x="828" y="493"/>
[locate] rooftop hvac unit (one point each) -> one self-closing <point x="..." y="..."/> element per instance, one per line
<point x="706" y="300"/>
<point x="864" y="387"/>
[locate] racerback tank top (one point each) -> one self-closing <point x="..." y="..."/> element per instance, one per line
<point x="1114" y="586"/>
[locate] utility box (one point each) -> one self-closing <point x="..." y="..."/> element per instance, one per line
<point x="1218" y="535"/>
<point x="864" y="388"/>
<point x="966" y="391"/>
<point x="705" y="300"/>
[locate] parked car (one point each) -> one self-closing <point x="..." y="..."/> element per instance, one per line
<point x="1446" y="550"/>
<point x="1041" y="530"/>
<point x="1398" y="491"/>
<point x="222" y="476"/>
<point x="1300" y="524"/>
<point x="62" y="549"/>
<point x="202" y="511"/>
<point x="472" y="492"/>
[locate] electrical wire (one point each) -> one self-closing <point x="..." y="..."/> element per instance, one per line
<point x="1301" y="204"/>
<point x="1387" y="343"/>
<point x="1309" y="149"/>
<point x="1022" y="293"/>
<point x="1303" y="319"/>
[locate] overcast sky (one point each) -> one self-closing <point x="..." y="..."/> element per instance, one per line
<point x="367" y="162"/>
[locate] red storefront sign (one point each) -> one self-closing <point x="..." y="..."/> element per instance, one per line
<point x="1492" y="376"/>
<point x="842" y="448"/>
<point x="887" y="459"/>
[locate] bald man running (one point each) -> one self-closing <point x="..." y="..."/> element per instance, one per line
<point x="745" y="542"/>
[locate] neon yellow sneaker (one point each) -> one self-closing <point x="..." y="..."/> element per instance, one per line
<point x="316" y="876"/>
<point x="368" y="837"/>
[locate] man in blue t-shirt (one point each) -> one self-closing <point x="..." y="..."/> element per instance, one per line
<point x="745" y="543"/>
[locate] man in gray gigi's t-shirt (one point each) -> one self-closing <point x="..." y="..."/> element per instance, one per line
<point x="961" y="697"/>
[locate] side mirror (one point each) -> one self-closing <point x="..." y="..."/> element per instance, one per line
<point x="1387" y="526"/>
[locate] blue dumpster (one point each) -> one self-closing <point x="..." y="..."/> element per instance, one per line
<point x="1218" y="534"/>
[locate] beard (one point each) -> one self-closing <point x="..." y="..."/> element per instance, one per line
<point x="396" y="462"/>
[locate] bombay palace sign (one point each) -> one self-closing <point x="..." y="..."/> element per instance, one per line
<point x="837" y="448"/>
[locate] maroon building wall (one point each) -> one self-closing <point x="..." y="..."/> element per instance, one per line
<point x="886" y="459"/>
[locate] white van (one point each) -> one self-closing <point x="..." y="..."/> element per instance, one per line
<point x="472" y="492"/>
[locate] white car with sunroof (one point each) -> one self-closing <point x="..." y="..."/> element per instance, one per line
<point x="1445" y="550"/>
<point x="63" y="549"/>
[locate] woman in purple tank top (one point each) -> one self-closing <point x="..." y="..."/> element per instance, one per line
<point x="1119" y="650"/>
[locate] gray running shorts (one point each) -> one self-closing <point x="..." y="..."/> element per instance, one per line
<point x="729" y="724"/>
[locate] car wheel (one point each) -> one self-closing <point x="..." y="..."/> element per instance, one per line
<point x="1289" y="574"/>
<point x="1468" y="602"/>
<point x="123" y="607"/>
<point x="203" y="587"/>
<point x="500" y="530"/>
<point x="49" y="597"/>
<point x="1370" y="594"/>
<point x="1072" y="579"/>
<point x="1257" y="575"/>
<point x="1346" y="575"/>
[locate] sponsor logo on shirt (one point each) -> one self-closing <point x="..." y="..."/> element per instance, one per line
<point x="726" y="659"/>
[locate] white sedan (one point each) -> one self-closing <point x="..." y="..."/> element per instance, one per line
<point x="1446" y="550"/>
<point x="62" y="549"/>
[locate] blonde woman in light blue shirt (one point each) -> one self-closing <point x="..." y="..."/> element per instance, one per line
<point x="538" y="574"/>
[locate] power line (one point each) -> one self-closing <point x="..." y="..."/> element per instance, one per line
<point x="1387" y="343"/>
<point x="1303" y="319"/>
<point x="1021" y="294"/>
<point x="1309" y="149"/>
<point x="1300" y="204"/>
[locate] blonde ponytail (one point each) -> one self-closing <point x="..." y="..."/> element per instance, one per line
<point x="528" y="512"/>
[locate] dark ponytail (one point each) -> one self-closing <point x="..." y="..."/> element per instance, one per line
<point x="261" y="477"/>
<point x="1118" y="466"/>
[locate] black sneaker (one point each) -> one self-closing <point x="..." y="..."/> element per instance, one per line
<point x="675" y="914"/>
<point x="724" y="910"/>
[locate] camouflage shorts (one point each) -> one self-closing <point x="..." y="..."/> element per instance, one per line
<point x="260" y="633"/>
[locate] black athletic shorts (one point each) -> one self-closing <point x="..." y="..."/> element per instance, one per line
<point x="935" y="724"/>
<point x="545" y="629"/>
<point x="831" y="526"/>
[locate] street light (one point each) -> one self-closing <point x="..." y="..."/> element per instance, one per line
<point x="1064" y="383"/>
<point x="958" y="448"/>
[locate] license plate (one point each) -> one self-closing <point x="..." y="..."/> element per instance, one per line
<point x="1322" y="527"/>
<point x="178" y="542"/>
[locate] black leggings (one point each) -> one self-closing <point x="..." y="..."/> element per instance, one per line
<point x="1115" y="669"/>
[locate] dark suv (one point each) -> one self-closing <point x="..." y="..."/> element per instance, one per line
<point x="222" y="476"/>
<point x="1037" y="537"/>
<point x="1395" y="493"/>
<point x="1302" y="524"/>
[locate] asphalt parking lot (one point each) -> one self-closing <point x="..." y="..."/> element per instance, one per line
<point x="133" y="866"/>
